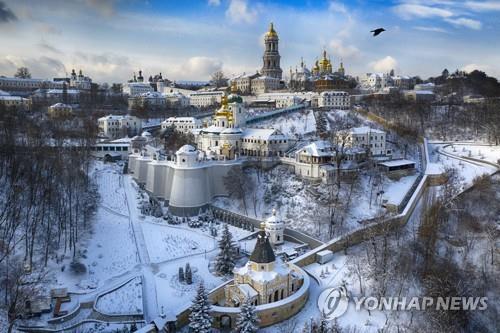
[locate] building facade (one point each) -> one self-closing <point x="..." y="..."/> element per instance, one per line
<point x="60" y="110"/>
<point x="119" y="126"/>
<point x="339" y="100"/>
<point x="372" y="139"/>
<point x="182" y="124"/>
<point x="23" y="87"/>
<point x="202" y="99"/>
<point x="264" y="84"/>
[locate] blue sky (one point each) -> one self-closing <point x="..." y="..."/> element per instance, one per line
<point x="110" y="39"/>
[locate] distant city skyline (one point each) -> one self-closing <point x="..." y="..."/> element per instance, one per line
<point x="110" y="39"/>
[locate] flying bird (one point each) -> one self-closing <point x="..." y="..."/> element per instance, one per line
<point x="377" y="32"/>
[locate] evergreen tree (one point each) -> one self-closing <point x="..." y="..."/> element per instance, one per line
<point x="188" y="274"/>
<point x="224" y="263"/>
<point x="181" y="274"/>
<point x="200" y="320"/>
<point x="247" y="321"/>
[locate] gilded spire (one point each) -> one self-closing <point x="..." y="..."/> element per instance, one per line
<point x="271" y="32"/>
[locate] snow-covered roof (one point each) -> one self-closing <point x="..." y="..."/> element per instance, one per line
<point x="280" y="269"/>
<point x="4" y="93"/>
<point x="152" y="94"/>
<point x="186" y="149"/>
<point x="394" y="163"/>
<point x="12" y="98"/>
<point x="180" y="119"/>
<point x="60" y="105"/>
<point x="263" y="133"/>
<point x="423" y="92"/>
<point x="60" y="91"/>
<point x="334" y="93"/>
<point x="317" y="148"/>
<point x="116" y="117"/>
<point x="247" y="290"/>
<point x="273" y="219"/>
<point x="122" y="140"/>
<point x="212" y="129"/>
<point x="236" y="130"/>
<point x="324" y="253"/>
<point x="365" y="130"/>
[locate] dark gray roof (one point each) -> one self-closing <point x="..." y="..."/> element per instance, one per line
<point x="263" y="252"/>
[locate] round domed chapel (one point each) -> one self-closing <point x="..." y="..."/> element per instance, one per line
<point x="275" y="229"/>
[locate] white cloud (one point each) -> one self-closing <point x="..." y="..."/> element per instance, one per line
<point x="344" y="51"/>
<point x="42" y="67"/>
<point x="465" y="22"/>
<point x="238" y="11"/>
<point x="472" y="67"/>
<point x="409" y="10"/>
<point x="214" y="3"/>
<point x="337" y="6"/>
<point x="483" y="6"/>
<point x="431" y="29"/>
<point x="196" y="68"/>
<point x="384" y="65"/>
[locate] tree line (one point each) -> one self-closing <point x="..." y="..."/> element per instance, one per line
<point x="47" y="199"/>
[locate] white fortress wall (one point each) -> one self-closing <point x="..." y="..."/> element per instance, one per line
<point x="142" y="169"/>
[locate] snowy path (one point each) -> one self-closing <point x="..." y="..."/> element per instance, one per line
<point x="117" y="252"/>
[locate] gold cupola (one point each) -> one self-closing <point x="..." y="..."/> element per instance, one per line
<point x="315" y="69"/>
<point x="224" y="110"/>
<point x="271" y="32"/>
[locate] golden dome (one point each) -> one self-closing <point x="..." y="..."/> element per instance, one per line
<point x="271" y="32"/>
<point x="224" y="110"/>
<point x="316" y="66"/>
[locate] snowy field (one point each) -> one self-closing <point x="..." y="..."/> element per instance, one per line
<point x="122" y="301"/>
<point x="166" y="242"/>
<point x="174" y="296"/>
<point x="439" y="154"/>
<point x="300" y="122"/>
<point x="103" y="251"/>
<point x="485" y="153"/>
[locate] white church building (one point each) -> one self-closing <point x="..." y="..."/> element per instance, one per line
<point x="189" y="181"/>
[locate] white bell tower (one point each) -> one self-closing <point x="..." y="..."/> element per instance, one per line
<point x="275" y="228"/>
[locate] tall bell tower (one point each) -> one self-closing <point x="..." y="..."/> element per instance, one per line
<point x="271" y="59"/>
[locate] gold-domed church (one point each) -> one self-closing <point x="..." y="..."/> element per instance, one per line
<point x="321" y="77"/>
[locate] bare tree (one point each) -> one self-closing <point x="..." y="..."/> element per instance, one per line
<point x="218" y="79"/>
<point x="238" y="184"/>
<point x="23" y="73"/>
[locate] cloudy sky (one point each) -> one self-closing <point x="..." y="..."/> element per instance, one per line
<point x="110" y="39"/>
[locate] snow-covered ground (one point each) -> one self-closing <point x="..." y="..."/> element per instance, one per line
<point x="300" y="122"/>
<point x="104" y="253"/>
<point x="167" y="242"/>
<point x="445" y="156"/>
<point x="125" y="300"/>
<point x="303" y="207"/>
